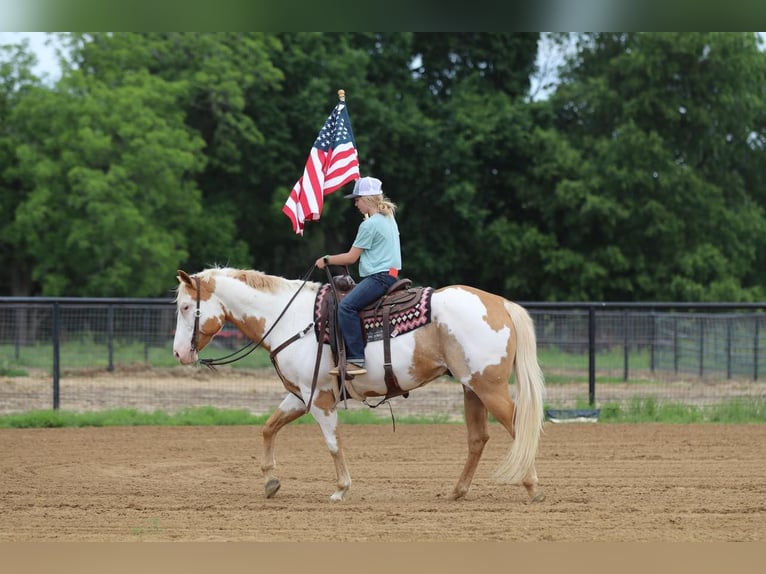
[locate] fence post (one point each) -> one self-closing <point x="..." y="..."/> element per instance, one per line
<point x="729" y="329"/>
<point x="625" y="345"/>
<point x="17" y="332"/>
<point x="592" y="356"/>
<point x="110" y="336"/>
<point x="675" y="344"/>
<point x="653" y="342"/>
<point x="756" y="337"/>
<point x="147" y="337"/>
<point x="701" y="355"/>
<point x="56" y="340"/>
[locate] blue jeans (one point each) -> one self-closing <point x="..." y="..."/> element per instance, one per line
<point x="365" y="292"/>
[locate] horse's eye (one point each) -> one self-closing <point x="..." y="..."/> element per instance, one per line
<point x="185" y="308"/>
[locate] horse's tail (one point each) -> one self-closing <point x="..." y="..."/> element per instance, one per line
<point x="530" y="383"/>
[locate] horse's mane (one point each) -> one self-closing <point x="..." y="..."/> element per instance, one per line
<point x="251" y="277"/>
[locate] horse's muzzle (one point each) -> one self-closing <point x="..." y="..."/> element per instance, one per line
<point x="186" y="358"/>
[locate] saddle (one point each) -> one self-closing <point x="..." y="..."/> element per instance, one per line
<point x="401" y="309"/>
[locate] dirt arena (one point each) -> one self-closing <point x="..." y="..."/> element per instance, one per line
<point x="604" y="482"/>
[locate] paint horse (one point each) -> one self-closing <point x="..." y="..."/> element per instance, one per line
<point x="476" y="337"/>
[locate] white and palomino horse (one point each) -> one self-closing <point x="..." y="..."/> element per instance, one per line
<point x="478" y="338"/>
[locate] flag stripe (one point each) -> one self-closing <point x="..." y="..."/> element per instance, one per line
<point x="332" y="163"/>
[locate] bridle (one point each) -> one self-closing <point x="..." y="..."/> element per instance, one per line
<point x="197" y="314"/>
<point x="197" y="331"/>
<point x="251" y="346"/>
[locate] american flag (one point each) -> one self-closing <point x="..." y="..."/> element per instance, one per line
<point x="332" y="163"/>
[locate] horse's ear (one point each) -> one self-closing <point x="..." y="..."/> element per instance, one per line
<point x="183" y="277"/>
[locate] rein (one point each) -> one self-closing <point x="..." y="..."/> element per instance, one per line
<point x="251" y="346"/>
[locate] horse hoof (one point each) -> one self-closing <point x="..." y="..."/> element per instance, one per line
<point x="272" y="487"/>
<point x="539" y="497"/>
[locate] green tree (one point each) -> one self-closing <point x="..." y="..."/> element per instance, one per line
<point x="17" y="81"/>
<point x="224" y="76"/>
<point x="449" y="149"/>
<point x="108" y="205"/>
<point x="641" y="178"/>
<point x="257" y="101"/>
<point x="668" y="201"/>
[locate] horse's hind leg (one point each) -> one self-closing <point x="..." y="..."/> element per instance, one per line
<point x="530" y="483"/>
<point x="289" y="409"/>
<point x="478" y="435"/>
<point x="498" y="402"/>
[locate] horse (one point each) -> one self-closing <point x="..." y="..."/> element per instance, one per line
<point x="478" y="338"/>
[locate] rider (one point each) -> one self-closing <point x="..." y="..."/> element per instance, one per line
<point x="377" y="249"/>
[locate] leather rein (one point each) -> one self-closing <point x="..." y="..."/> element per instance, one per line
<point x="251" y="346"/>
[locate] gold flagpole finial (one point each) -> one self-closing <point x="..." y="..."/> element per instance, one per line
<point x="342" y="95"/>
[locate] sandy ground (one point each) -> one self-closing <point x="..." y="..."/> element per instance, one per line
<point x="604" y="482"/>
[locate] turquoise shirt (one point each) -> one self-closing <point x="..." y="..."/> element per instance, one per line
<point x="378" y="237"/>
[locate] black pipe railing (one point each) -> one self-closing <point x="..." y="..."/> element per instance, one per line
<point x="592" y="308"/>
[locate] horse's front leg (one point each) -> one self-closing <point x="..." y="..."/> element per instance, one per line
<point x="323" y="410"/>
<point x="289" y="409"/>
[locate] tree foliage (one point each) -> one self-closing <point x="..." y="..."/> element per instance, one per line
<point x="669" y="127"/>
<point x="104" y="200"/>
<point x="640" y="178"/>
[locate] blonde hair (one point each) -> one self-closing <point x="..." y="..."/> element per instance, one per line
<point x="382" y="203"/>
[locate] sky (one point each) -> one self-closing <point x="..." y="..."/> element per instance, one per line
<point x="46" y="55"/>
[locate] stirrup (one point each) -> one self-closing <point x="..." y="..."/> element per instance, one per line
<point x="354" y="369"/>
<point x="351" y="369"/>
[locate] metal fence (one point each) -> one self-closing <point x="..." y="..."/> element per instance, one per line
<point x="694" y="354"/>
<point x="96" y="354"/>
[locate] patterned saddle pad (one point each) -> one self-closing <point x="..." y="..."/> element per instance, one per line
<point x="409" y="309"/>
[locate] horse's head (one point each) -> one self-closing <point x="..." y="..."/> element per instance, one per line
<point x="200" y="316"/>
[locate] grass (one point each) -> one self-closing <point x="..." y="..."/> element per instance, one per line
<point x="127" y="417"/>
<point x="613" y="358"/>
<point x="84" y="353"/>
<point x="198" y="416"/>
<point x="642" y="410"/>
<point x="637" y="411"/>
<point x="87" y="351"/>
<point x="90" y="351"/>
<point x="8" y="370"/>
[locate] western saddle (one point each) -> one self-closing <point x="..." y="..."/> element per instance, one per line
<point x="400" y="297"/>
